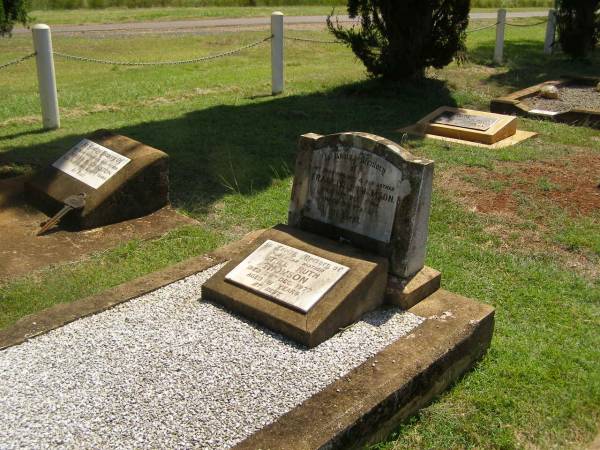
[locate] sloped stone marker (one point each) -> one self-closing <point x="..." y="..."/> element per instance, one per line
<point x="167" y="370"/>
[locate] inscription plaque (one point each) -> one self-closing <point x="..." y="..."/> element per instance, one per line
<point x="355" y="190"/>
<point x="461" y="120"/>
<point x="91" y="163"/>
<point x="285" y="274"/>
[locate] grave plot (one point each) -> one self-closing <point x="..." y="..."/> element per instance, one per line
<point x="576" y="102"/>
<point x="470" y="127"/>
<point x="120" y="188"/>
<point x="297" y="340"/>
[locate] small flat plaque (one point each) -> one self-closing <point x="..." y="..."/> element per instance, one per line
<point x="296" y="278"/>
<point x="91" y="163"/>
<point x="461" y="120"/>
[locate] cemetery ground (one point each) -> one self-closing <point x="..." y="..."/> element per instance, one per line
<point x="518" y="228"/>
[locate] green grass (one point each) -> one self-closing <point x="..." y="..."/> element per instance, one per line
<point x="232" y="146"/>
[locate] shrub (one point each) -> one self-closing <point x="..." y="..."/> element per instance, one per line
<point x="12" y="11"/>
<point x="399" y="39"/>
<point x="578" y="26"/>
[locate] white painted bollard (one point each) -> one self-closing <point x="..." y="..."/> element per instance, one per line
<point x="277" y="81"/>
<point x="501" y="24"/>
<point x="42" y="44"/>
<point x="550" y="32"/>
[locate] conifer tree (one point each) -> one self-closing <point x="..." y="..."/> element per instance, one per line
<point x="578" y="26"/>
<point x="12" y="11"/>
<point x="399" y="39"/>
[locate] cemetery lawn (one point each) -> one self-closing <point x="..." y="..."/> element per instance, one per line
<point x="517" y="228"/>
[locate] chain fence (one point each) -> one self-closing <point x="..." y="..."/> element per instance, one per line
<point x="525" y="25"/>
<point x="316" y="41"/>
<point x="17" y="61"/>
<point x="163" y="63"/>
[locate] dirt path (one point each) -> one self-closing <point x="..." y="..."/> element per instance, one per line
<point x="192" y="26"/>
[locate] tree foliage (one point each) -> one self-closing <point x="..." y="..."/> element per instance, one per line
<point x="578" y="26"/>
<point x="11" y="12"/>
<point x="400" y="38"/>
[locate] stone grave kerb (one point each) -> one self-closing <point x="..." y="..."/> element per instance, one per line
<point x="395" y="222"/>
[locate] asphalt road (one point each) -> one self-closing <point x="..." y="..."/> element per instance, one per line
<point x="192" y="26"/>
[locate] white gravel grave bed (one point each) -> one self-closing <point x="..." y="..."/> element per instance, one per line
<point x="166" y="370"/>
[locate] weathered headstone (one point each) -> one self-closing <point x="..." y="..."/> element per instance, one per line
<point x="121" y="179"/>
<point x="357" y="234"/>
<point x="366" y="190"/>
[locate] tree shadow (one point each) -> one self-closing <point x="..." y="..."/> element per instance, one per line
<point x="527" y="64"/>
<point x="243" y="148"/>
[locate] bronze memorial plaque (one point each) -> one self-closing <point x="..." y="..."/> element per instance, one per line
<point x="296" y="278"/>
<point x="461" y="120"/>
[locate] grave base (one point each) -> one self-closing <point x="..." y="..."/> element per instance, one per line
<point x="361" y="290"/>
<point x="407" y="293"/>
<point x="366" y="405"/>
<point x="517" y="138"/>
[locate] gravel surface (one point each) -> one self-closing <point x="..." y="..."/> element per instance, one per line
<point x="570" y="97"/>
<point x="167" y="371"/>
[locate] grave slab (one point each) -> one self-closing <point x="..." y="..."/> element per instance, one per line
<point x="366" y="405"/>
<point x="406" y="293"/>
<point x="366" y="190"/>
<point x="121" y="178"/>
<point x="521" y="103"/>
<point x="412" y="362"/>
<point x="359" y="288"/>
<point x="468" y="125"/>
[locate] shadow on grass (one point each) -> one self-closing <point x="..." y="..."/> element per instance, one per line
<point x="527" y="64"/>
<point x="243" y="148"/>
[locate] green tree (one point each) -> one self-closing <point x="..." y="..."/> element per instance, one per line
<point x="12" y="11"/>
<point x="578" y="26"/>
<point x="399" y="39"/>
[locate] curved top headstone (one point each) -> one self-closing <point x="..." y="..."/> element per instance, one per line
<point x="367" y="190"/>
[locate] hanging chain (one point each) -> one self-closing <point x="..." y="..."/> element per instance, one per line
<point x="317" y="41"/>
<point x="163" y="63"/>
<point x="17" y="61"/>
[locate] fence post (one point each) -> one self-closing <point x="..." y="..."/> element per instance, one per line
<point x="277" y="81"/>
<point x="501" y="24"/>
<point x="550" y="31"/>
<point x="42" y="44"/>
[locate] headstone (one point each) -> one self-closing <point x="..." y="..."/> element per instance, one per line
<point x="122" y="179"/>
<point x="356" y="236"/>
<point x="366" y="190"/>
<point x="468" y="125"/>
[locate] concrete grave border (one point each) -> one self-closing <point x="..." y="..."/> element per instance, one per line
<point x="513" y="103"/>
<point x="360" y="408"/>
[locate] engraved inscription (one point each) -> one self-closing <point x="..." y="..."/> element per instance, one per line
<point x="91" y="163"/>
<point x="355" y="190"/>
<point x="293" y="277"/>
<point x="460" y="120"/>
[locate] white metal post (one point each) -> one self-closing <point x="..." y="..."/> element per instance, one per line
<point x="42" y="44"/>
<point x="501" y="24"/>
<point x="277" y="81"/>
<point x="550" y="31"/>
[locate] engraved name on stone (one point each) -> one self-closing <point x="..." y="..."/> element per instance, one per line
<point x="293" y="277"/>
<point x="91" y="163"/>
<point x="460" y="120"/>
<point x="355" y="190"/>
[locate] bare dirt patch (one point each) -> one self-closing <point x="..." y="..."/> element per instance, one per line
<point x="516" y="193"/>
<point x="571" y="183"/>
